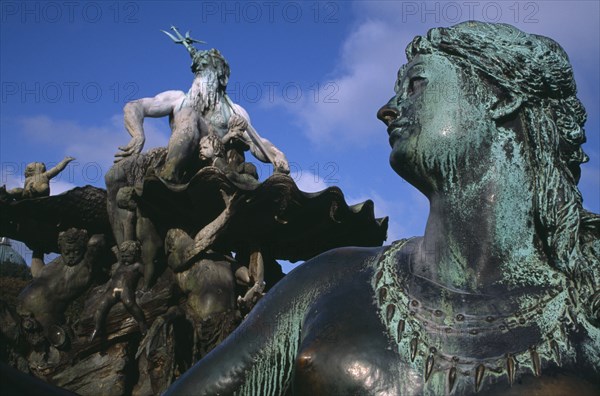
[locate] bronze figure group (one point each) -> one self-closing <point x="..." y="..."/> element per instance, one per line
<point x="176" y="288"/>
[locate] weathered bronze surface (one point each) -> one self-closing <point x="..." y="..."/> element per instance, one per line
<point x="161" y="267"/>
<point x="500" y="296"/>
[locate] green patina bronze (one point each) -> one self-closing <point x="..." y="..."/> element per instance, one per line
<point x="500" y="295"/>
<point x="487" y="124"/>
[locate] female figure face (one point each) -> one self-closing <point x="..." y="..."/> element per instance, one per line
<point x="435" y="131"/>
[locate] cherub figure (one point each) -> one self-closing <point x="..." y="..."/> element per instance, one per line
<point x="207" y="280"/>
<point x="227" y="153"/>
<point x="182" y="250"/>
<point x="136" y="226"/>
<point x="204" y="276"/>
<point x="121" y="287"/>
<point x="37" y="179"/>
<point x="212" y="152"/>
<point x="236" y="145"/>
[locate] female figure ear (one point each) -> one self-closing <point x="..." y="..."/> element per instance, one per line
<point x="506" y="106"/>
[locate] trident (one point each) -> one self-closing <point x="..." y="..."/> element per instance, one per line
<point x="186" y="40"/>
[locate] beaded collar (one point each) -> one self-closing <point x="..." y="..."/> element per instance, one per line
<point x="437" y="339"/>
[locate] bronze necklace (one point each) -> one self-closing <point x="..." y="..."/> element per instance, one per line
<point x="427" y="333"/>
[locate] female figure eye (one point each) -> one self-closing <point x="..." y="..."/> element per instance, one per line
<point x="416" y="84"/>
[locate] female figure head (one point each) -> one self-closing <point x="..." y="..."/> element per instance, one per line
<point x="519" y="86"/>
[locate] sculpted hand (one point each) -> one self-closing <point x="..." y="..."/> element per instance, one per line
<point x="233" y="135"/>
<point x="134" y="146"/>
<point x="69" y="159"/>
<point x="280" y="164"/>
<point x="233" y="201"/>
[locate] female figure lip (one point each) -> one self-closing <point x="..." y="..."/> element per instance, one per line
<point x="399" y="123"/>
<point x="397" y="132"/>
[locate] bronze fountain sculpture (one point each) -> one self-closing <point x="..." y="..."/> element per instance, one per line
<point x="192" y="236"/>
<point x="500" y="295"/>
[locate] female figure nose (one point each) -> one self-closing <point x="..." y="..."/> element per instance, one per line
<point x="387" y="114"/>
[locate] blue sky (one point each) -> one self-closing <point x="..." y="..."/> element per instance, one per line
<point x="311" y="75"/>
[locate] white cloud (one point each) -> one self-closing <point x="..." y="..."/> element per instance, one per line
<point x="93" y="146"/>
<point x="362" y="83"/>
<point x="307" y="181"/>
<point x="373" y="52"/>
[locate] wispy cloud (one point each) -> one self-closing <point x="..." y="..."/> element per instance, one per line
<point x="372" y="53"/>
<point x="22" y="250"/>
<point x="93" y="146"/>
<point x="361" y="83"/>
